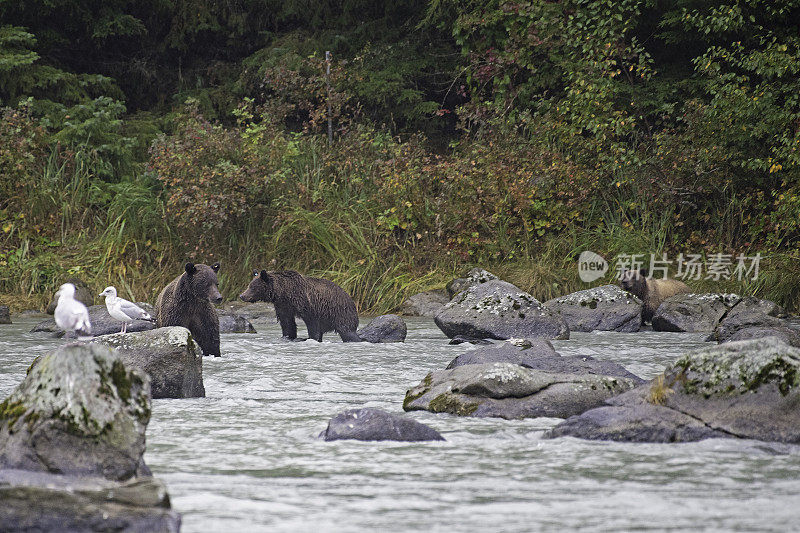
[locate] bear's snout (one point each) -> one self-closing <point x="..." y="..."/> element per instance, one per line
<point x="243" y="297"/>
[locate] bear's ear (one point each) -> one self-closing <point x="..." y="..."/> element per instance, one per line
<point x="190" y="269"/>
<point x="264" y="275"/>
<point x="215" y="267"/>
<point x="643" y="272"/>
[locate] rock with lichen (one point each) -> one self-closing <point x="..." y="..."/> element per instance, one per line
<point x="474" y="277"/>
<point x="371" y="424"/>
<point x="747" y="389"/>
<point x="605" y="308"/>
<point x="170" y="356"/>
<point x="693" y="313"/>
<point x="511" y="391"/>
<point x="498" y="310"/>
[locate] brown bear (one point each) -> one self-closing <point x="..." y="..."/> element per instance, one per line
<point x="188" y="301"/>
<point x="323" y="305"/>
<point x="652" y="292"/>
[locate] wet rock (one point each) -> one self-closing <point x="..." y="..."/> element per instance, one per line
<point x="375" y="424"/>
<point x="230" y="323"/>
<point x="170" y="356"/>
<point x="385" y="328"/>
<point x="458" y="339"/>
<point x="511" y="391"/>
<point x="50" y="502"/>
<point x="102" y="322"/>
<point x="5" y="315"/>
<point x="746" y="389"/>
<point x="605" y="308"/>
<point x="784" y="333"/>
<point x="31" y="313"/>
<point x="426" y="303"/>
<point x="476" y="276"/>
<point x="82" y="293"/>
<point x="746" y="314"/>
<point x="499" y="310"/>
<point x="79" y="411"/>
<point x="248" y="310"/>
<point x="692" y="313"/>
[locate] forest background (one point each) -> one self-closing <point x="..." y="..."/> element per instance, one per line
<point x="513" y="135"/>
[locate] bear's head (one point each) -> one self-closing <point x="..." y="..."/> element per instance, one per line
<point x="261" y="288"/>
<point x="202" y="282"/>
<point x="634" y="281"/>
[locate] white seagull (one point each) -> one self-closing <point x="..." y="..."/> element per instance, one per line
<point x="70" y="314"/>
<point x="123" y="310"/>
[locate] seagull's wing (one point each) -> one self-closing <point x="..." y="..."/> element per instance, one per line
<point x="132" y="310"/>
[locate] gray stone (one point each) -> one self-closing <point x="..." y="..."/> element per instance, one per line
<point x="38" y="501"/>
<point x="458" y="339"/>
<point x="385" y="328"/>
<point x="605" y="308"/>
<point x="426" y="303"/>
<point x="79" y="411"/>
<point x="476" y="276"/>
<point x="694" y="313"/>
<point x="170" y="357"/>
<point x="540" y="355"/>
<point x="230" y="323"/>
<point x="102" y="322"/>
<point x="248" y="310"/>
<point x="747" y="389"/>
<point x="784" y="333"/>
<point x="375" y="424"/>
<point x="511" y="391"/>
<point x="5" y="315"/>
<point x="499" y="310"/>
<point x="82" y="293"/>
<point x="748" y="313"/>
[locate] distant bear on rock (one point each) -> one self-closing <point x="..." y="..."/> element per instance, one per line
<point x="652" y="292"/>
<point x="323" y="305"/>
<point x="188" y="301"/>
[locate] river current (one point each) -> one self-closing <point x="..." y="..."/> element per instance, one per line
<point x="248" y="458"/>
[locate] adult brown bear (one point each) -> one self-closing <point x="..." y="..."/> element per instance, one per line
<point x="652" y="292"/>
<point x="323" y="305"/>
<point x="188" y="301"/>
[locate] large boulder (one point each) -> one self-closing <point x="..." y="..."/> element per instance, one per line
<point x="511" y="391"/>
<point x="786" y="334"/>
<point x="82" y="293"/>
<point x="540" y="355"/>
<point x="385" y="328"/>
<point x="102" y="323"/>
<point x="170" y="357"/>
<point x="476" y="276"/>
<point x="749" y="313"/>
<point x="498" y="310"/>
<point x="233" y="323"/>
<point x="605" y="308"/>
<point x="426" y="303"/>
<point x="5" y="315"/>
<point x="38" y="501"/>
<point x="79" y="411"/>
<point x="375" y="424"/>
<point x="693" y="313"/>
<point x="746" y="389"/>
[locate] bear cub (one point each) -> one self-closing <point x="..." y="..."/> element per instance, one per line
<point x="652" y="292"/>
<point x="323" y="305"/>
<point x="188" y="301"/>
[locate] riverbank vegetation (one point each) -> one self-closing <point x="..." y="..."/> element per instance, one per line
<point x="510" y="135"/>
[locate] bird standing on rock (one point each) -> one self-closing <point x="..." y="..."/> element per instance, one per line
<point x="70" y="314"/>
<point x="123" y="310"/>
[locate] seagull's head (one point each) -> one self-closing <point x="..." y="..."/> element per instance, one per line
<point x="109" y="291"/>
<point x="67" y="290"/>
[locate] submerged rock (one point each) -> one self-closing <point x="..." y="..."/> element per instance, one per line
<point x="5" y="315"/>
<point x="102" y="323"/>
<point x="459" y="339"/>
<point x="605" y="308"/>
<point x="499" y="310"/>
<point x="511" y="391"/>
<point x="231" y="323"/>
<point x="385" y="328"/>
<point x="693" y="313"/>
<point x="79" y="411"/>
<point x="375" y="424"/>
<point x="426" y="303"/>
<point x="476" y="276"/>
<point x="170" y="356"/>
<point x="746" y="389"/>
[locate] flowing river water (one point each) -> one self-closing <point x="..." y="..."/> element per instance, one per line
<point x="247" y="457"/>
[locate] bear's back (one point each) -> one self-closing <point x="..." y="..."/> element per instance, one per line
<point x="165" y="304"/>
<point x="333" y="305"/>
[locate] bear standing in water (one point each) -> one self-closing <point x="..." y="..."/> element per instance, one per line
<point x="652" y="292"/>
<point x="323" y="305"/>
<point x="188" y="301"/>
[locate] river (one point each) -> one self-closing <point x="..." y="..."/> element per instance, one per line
<point x="247" y="457"/>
